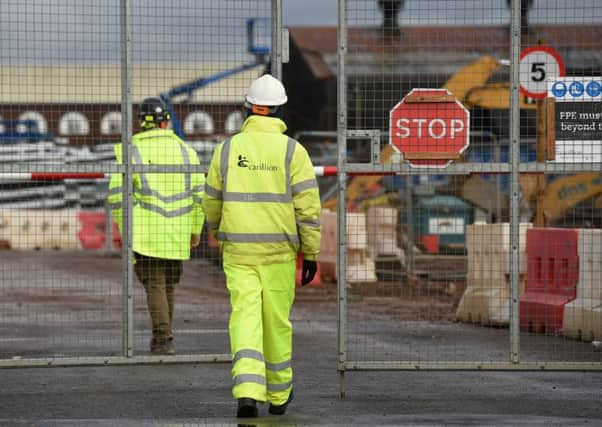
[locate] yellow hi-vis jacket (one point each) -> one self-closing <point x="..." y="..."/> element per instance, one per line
<point x="262" y="197"/>
<point x="167" y="207"/>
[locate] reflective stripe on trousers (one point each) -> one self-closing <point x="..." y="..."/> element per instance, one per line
<point x="261" y="297"/>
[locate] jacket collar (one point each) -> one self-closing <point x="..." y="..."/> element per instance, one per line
<point x="154" y="132"/>
<point x="255" y="123"/>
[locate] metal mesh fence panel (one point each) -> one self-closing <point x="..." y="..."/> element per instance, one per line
<point x="200" y="59"/>
<point x="457" y="254"/>
<point x="60" y="90"/>
<point x="560" y="69"/>
<point x="67" y="70"/>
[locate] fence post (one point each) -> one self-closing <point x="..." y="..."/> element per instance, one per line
<point x="276" y="51"/>
<point x="127" y="195"/>
<point x="515" y="40"/>
<point x="342" y="184"/>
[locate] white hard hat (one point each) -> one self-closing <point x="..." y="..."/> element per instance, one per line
<point x="266" y="90"/>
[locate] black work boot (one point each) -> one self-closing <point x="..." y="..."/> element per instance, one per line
<point x="247" y="408"/>
<point x="281" y="409"/>
<point x="162" y="347"/>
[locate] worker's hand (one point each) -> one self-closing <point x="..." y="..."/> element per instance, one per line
<point x="308" y="272"/>
<point x="195" y="239"/>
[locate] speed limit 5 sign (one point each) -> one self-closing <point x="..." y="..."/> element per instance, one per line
<point x="537" y="64"/>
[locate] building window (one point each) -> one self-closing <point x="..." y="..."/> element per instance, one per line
<point x="74" y="123"/>
<point x="33" y="120"/>
<point x="234" y="122"/>
<point x="198" y="122"/>
<point x="110" y="124"/>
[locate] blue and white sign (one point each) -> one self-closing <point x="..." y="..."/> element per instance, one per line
<point x="586" y="89"/>
<point x="577" y="118"/>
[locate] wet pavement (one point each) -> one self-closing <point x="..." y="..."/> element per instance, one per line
<point x="198" y="394"/>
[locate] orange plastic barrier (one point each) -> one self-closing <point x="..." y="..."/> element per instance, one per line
<point x="552" y="276"/>
<point x="92" y="232"/>
<point x="430" y="243"/>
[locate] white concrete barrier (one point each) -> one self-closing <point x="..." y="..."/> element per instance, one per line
<point x="583" y="316"/>
<point x="486" y="299"/>
<point x="360" y="267"/>
<point x="29" y="229"/>
<point x="382" y="233"/>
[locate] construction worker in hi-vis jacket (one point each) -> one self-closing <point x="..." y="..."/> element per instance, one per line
<point x="167" y="215"/>
<point x="262" y="202"/>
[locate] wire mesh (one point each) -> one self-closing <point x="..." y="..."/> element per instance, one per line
<point x="429" y="251"/>
<point x="60" y="129"/>
<point x="428" y="238"/>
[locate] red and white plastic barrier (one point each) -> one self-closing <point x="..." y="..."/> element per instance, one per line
<point x="58" y="176"/>
<point x="50" y="176"/>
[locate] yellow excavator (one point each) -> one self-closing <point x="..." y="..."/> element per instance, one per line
<point x="470" y="86"/>
<point x="550" y="201"/>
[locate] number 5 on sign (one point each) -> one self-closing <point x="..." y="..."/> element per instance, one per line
<point x="537" y="65"/>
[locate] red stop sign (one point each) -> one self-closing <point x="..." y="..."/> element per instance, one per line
<point x="429" y="127"/>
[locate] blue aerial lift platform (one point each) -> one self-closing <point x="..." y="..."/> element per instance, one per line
<point x="258" y="44"/>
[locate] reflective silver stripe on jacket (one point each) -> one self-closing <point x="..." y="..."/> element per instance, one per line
<point x="304" y="185"/>
<point x="231" y="196"/>
<point x="249" y="378"/>
<point x="138" y="159"/>
<point x="150" y="207"/>
<point x="146" y="190"/>
<point x="212" y="225"/>
<point x="278" y="366"/>
<point x="257" y="197"/>
<point x="115" y="190"/>
<point x="309" y="223"/>
<point x="223" y="163"/>
<point x="247" y="354"/>
<point x="213" y="192"/>
<point x="257" y="237"/>
<point x="290" y="150"/>
<point x="198" y="188"/>
<point x="168" y="214"/>
<point x="153" y="193"/>
<point x="279" y="387"/>
<point x="186" y="160"/>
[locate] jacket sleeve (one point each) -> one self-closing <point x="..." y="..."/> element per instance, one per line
<point x="114" y="196"/>
<point x="306" y="200"/>
<point x="198" y="194"/>
<point x="212" y="201"/>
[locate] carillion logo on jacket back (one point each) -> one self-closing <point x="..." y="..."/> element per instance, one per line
<point x="243" y="162"/>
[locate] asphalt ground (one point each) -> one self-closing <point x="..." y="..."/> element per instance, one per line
<point x="200" y="394"/>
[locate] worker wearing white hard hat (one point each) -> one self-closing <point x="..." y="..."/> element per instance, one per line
<point x="262" y="203"/>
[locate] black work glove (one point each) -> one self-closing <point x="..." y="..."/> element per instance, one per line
<point x="308" y="272"/>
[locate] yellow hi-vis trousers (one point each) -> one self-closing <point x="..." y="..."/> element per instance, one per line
<point x="261" y="334"/>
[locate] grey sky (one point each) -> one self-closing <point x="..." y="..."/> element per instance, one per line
<point x="442" y="12"/>
<point x="42" y="31"/>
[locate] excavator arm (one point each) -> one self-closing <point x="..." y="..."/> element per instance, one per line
<point x="469" y="85"/>
<point x="561" y="194"/>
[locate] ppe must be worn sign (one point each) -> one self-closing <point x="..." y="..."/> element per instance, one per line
<point x="577" y="118"/>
